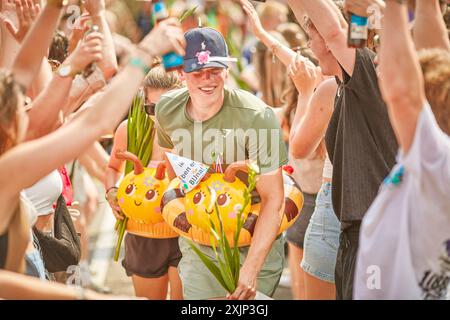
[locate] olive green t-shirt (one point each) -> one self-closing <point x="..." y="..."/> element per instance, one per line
<point x="244" y="128"/>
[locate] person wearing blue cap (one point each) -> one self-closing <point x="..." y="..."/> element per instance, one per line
<point x="207" y="117"/>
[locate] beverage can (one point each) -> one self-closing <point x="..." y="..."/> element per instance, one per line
<point x="359" y="28"/>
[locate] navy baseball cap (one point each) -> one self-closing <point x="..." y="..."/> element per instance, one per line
<point x="205" y="48"/>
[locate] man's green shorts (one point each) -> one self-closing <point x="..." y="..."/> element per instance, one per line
<point x="200" y="284"/>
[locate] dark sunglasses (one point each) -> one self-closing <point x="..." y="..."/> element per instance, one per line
<point x="150" y="108"/>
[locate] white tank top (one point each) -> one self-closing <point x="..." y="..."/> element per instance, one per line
<point x="29" y="208"/>
<point x="45" y="193"/>
<point x="327" y="169"/>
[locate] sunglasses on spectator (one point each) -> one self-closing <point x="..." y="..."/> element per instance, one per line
<point x="150" y="108"/>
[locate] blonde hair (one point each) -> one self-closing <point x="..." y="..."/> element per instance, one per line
<point x="271" y="72"/>
<point x="9" y="100"/>
<point x="271" y="9"/>
<point x="435" y="65"/>
<point x="158" y="78"/>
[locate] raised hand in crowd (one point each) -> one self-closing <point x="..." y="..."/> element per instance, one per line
<point x="8" y="11"/>
<point x="254" y="21"/>
<point x="106" y="68"/>
<point x="115" y="100"/>
<point x="90" y="50"/>
<point x="330" y="26"/>
<point x="80" y="27"/>
<point x="44" y="111"/>
<point x="26" y="13"/>
<point x="304" y="74"/>
<point x="167" y="37"/>
<point x="16" y="19"/>
<point x="35" y="46"/>
<point x="96" y="10"/>
<point x="284" y="53"/>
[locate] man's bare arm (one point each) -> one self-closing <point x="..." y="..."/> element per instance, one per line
<point x="401" y="80"/>
<point x="429" y="26"/>
<point x="329" y="23"/>
<point x="271" y="190"/>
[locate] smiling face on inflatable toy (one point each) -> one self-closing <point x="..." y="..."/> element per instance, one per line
<point x="190" y="214"/>
<point x="140" y="193"/>
<point x="200" y="207"/>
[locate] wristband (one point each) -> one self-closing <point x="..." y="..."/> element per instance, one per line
<point x="138" y="63"/>
<point x="107" y="192"/>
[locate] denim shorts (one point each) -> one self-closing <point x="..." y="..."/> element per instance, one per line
<point x="34" y="265"/>
<point x="322" y="238"/>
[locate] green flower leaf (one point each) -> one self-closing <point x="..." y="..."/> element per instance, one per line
<point x="186" y="14"/>
<point x="140" y="135"/>
<point x="228" y="258"/>
<point x="210" y="265"/>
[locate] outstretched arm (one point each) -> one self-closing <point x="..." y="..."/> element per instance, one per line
<point x="429" y="26"/>
<point x="71" y="140"/>
<point x="46" y="109"/>
<point x="16" y="20"/>
<point x="17" y="17"/>
<point x="15" y="286"/>
<point x="108" y="65"/>
<point x="285" y="54"/>
<point x="35" y="45"/>
<point x="401" y="80"/>
<point x="329" y="23"/>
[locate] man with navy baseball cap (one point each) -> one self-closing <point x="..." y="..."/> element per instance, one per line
<point x="206" y="49"/>
<point x="208" y="118"/>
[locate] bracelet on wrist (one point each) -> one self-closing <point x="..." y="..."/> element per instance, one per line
<point x="274" y="49"/>
<point x="138" y="63"/>
<point x="108" y="191"/>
